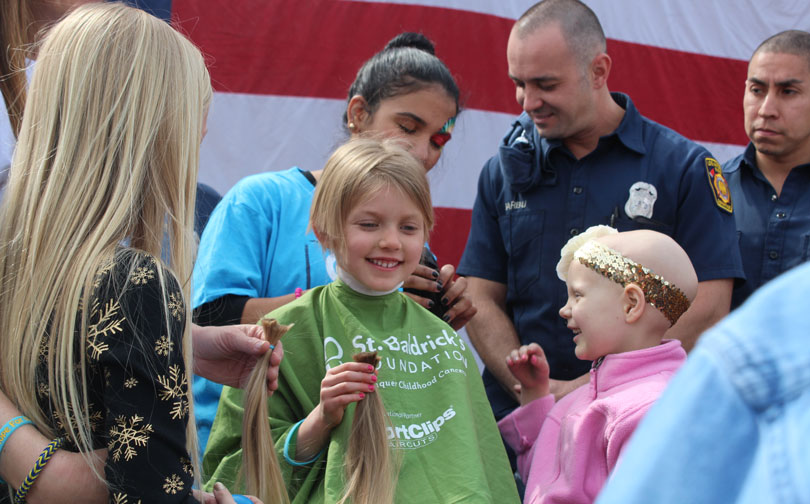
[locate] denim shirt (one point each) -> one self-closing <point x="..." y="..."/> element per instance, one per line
<point x="774" y="231"/>
<point x="733" y="425"/>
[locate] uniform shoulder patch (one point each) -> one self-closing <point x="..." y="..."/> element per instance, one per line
<point x="719" y="186"/>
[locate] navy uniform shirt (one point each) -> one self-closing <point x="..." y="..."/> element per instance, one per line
<point x="534" y="195"/>
<point x="774" y="232"/>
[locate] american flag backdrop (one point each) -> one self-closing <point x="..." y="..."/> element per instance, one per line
<point x="281" y="70"/>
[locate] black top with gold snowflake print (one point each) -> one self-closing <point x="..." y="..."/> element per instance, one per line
<point x="137" y="381"/>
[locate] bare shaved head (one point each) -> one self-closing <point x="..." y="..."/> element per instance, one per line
<point x="579" y="25"/>
<point x="658" y="252"/>
<point x="789" y="42"/>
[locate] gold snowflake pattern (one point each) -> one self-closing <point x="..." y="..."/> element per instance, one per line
<point x="122" y="498"/>
<point x="101" y="272"/>
<point x="174" y="390"/>
<point x="43" y="390"/>
<point x="164" y="346"/>
<point x="103" y="323"/>
<point x="176" y="305"/>
<point x="141" y="275"/>
<point x="60" y="421"/>
<point x="130" y="382"/>
<point x="188" y="468"/>
<point x="173" y="484"/>
<point x="126" y="436"/>
<point x="95" y="418"/>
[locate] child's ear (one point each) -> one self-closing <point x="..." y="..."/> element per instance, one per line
<point x="633" y="303"/>
<point x="322" y="238"/>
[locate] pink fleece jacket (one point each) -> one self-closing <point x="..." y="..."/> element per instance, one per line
<point x="567" y="450"/>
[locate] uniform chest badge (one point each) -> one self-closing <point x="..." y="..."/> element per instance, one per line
<point x="641" y="200"/>
<point x="719" y="186"/>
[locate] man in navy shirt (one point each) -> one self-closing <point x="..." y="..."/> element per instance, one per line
<point x="580" y="156"/>
<point x="770" y="181"/>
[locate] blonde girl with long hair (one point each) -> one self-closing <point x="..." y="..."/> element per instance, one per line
<point x="436" y="439"/>
<point x="96" y="347"/>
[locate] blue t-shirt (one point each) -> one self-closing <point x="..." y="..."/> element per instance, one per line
<point x="534" y="195"/>
<point x="774" y="231"/>
<point x="256" y="244"/>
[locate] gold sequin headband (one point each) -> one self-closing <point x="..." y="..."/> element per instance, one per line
<point x="661" y="294"/>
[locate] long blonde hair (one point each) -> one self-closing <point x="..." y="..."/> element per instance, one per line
<point x="260" y="470"/>
<point x="107" y="154"/>
<point x="369" y="464"/>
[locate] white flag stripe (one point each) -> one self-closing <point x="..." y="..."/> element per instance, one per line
<point x="730" y="28"/>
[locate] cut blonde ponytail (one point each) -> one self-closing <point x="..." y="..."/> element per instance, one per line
<point x="260" y="469"/>
<point x="369" y="463"/>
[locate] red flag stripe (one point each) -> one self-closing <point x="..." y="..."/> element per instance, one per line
<point x="449" y="235"/>
<point x="290" y="48"/>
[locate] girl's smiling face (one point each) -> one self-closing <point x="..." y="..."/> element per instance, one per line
<point x="594" y="312"/>
<point x="384" y="236"/>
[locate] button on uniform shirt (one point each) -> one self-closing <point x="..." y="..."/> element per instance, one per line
<point x="774" y="231"/>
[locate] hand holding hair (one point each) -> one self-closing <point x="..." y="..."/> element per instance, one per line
<point x="228" y="354"/>
<point x="343" y="385"/>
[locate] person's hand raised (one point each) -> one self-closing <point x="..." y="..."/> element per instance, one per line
<point x="529" y="365"/>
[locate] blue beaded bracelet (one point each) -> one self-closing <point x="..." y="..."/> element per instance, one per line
<point x="9" y="428"/>
<point x="39" y="465"/>
<point x="287" y="456"/>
